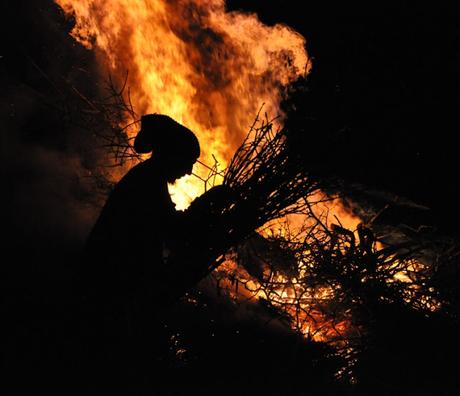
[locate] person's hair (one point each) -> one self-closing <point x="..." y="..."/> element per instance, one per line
<point x="164" y="136"/>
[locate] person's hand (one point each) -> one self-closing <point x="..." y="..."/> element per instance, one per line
<point x="212" y="201"/>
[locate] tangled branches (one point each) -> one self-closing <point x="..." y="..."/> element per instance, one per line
<point x="328" y="281"/>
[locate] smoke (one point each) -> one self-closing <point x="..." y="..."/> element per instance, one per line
<point x="46" y="159"/>
<point x="207" y="68"/>
<point x="45" y="191"/>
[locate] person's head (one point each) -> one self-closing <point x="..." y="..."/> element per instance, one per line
<point x="174" y="146"/>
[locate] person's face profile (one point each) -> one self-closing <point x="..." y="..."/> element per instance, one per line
<point x="179" y="167"/>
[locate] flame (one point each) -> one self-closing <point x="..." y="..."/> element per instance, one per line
<point x="285" y="294"/>
<point x="207" y="68"/>
<point x="210" y="70"/>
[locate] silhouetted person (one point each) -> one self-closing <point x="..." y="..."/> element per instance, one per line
<point x="139" y="215"/>
<point x="125" y="249"/>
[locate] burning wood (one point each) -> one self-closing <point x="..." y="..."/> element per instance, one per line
<point x="335" y="284"/>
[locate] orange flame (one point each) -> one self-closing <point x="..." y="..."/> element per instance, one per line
<point x="209" y="69"/>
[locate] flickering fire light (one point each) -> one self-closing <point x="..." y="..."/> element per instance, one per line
<point x="210" y="70"/>
<point x="207" y="68"/>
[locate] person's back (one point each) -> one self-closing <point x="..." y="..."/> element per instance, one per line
<point x="129" y="233"/>
<point x="122" y="272"/>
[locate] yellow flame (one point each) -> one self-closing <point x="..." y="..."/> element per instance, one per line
<point x="207" y="68"/>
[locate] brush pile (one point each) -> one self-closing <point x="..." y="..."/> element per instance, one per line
<point x="329" y="283"/>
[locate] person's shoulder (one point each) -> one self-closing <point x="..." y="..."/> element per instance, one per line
<point x="141" y="179"/>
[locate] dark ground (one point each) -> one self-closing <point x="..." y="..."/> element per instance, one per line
<point x="384" y="94"/>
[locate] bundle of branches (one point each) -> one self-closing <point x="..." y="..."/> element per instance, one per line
<point x="263" y="182"/>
